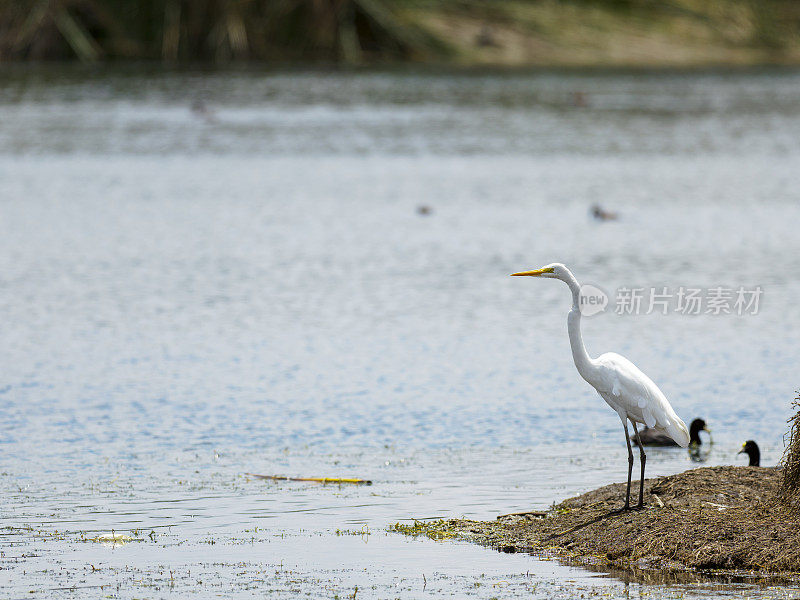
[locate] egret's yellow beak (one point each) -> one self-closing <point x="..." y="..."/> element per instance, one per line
<point x="534" y="273"/>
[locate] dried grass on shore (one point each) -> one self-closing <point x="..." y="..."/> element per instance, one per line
<point x="790" y="486"/>
<point x="708" y="518"/>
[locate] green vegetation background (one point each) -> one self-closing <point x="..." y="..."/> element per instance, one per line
<point x="467" y="32"/>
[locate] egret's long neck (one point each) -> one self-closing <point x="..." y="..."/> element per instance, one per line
<point x="582" y="359"/>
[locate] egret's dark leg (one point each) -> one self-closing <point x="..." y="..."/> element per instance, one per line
<point x="630" y="465"/>
<point x="642" y="461"/>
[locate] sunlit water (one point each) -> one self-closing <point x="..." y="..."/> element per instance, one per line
<point x="187" y="297"/>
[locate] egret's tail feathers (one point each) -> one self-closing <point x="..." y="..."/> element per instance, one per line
<point x="678" y="431"/>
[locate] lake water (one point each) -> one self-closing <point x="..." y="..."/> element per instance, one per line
<point x="191" y="295"/>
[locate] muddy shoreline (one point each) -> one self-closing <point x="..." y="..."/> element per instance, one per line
<point x="720" y="520"/>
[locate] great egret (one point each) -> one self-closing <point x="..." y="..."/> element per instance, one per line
<point x="654" y="437"/>
<point x="631" y="393"/>
<point x="751" y="449"/>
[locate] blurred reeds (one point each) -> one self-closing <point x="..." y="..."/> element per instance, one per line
<point x="524" y="32"/>
<point x="209" y="30"/>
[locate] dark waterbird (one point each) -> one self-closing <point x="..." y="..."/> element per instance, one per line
<point x="601" y="214"/>
<point x="751" y="449"/>
<point x="653" y="437"/>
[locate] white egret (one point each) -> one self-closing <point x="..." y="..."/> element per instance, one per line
<point x="631" y="393"/>
<point x="751" y="449"/>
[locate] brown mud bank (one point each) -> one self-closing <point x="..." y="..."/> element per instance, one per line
<point x="712" y="518"/>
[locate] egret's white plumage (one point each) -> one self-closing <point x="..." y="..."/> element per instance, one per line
<point x="631" y="393"/>
<point x="628" y="390"/>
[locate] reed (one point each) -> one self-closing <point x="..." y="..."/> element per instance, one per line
<point x="210" y="30"/>
<point x="542" y="32"/>
<point x="790" y="485"/>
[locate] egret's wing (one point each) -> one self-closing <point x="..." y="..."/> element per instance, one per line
<point x="639" y="396"/>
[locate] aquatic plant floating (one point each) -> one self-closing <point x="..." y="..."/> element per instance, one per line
<point x="113" y="538"/>
<point x="326" y="480"/>
<point x="631" y="393"/>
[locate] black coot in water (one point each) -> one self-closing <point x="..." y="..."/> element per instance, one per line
<point x="751" y="449"/>
<point x="651" y="437"/>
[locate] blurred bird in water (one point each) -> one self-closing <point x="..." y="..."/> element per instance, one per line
<point x="631" y="393"/>
<point x="201" y="110"/>
<point x="653" y="437"/>
<point x="601" y="214"/>
<point x="579" y="100"/>
<point x="751" y="449"/>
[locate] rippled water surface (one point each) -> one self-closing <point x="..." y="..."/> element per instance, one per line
<point x="191" y="295"/>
